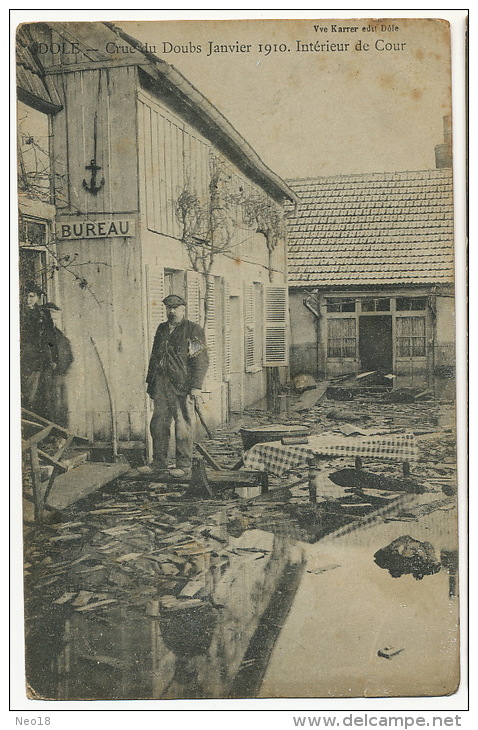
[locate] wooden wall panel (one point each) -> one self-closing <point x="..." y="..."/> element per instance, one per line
<point x="108" y="96"/>
<point x="122" y="183"/>
<point x="108" y="312"/>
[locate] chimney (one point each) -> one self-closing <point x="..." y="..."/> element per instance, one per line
<point x="443" y="152"/>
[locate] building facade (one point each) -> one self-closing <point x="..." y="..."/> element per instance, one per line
<point x="151" y="191"/>
<point x="371" y="277"/>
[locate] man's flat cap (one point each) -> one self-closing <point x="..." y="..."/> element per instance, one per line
<point x="173" y="300"/>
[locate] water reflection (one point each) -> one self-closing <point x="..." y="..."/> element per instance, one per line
<point x="180" y="647"/>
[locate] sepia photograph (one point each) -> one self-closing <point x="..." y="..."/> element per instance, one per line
<point x="237" y="308"/>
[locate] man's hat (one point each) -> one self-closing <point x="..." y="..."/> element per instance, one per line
<point x="173" y="300"/>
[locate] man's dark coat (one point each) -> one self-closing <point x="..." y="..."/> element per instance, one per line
<point x="180" y="356"/>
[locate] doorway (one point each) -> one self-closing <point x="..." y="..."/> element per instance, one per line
<point x="375" y="343"/>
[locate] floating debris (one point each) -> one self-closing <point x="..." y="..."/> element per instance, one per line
<point x="389" y="652"/>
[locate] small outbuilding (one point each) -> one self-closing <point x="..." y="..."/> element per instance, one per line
<point x="371" y="272"/>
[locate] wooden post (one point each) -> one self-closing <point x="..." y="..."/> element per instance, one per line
<point x="36" y="482"/>
<point x="313" y="475"/>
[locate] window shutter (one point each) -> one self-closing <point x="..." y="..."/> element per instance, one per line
<point x="155" y="296"/>
<point x="249" y="333"/>
<point x="193" y="296"/>
<point x="227" y="330"/>
<point x="276" y="341"/>
<point x="210" y="328"/>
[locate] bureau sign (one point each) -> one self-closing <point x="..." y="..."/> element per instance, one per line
<point x="95" y="229"/>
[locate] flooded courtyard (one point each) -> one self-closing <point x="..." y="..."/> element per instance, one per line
<point x="141" y="591"/>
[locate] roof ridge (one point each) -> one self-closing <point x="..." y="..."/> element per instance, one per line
<point x="445" y="172"/>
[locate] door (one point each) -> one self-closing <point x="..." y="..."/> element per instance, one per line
<point x="375" y="343"/>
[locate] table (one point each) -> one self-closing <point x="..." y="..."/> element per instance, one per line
<point x="277" y="458"/>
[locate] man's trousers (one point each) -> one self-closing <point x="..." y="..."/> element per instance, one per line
<point x="170" y="406"/>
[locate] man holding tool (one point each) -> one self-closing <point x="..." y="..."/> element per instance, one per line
<point x="177" y="368"/>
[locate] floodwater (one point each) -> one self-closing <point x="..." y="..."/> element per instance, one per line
<point x="356" y="631"/>
<point x="270" y="617"/>
<point x="141" y="594"/>
<point x="215" y="646"/>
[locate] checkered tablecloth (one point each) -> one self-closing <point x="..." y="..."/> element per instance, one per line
<point x="275" y="458"/>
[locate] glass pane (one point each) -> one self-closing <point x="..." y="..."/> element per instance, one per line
<point x="403" y="347"/>
<point x="344" y="304"/>
<point x="419" y="303"/>
<point x="332" y="305"/>
<point x="348" y="305"/>
<point x="417" y="326"/>
<point x="404" y="304"/>
<point x="334" y="328"/>
<point x="403" y="326"/>
<point x="333" y="349"/>
<point x="375" y="305"/>
<point x="418" y="347"/>
<point x="368" y="305"/>
<point x="349" y="347"/>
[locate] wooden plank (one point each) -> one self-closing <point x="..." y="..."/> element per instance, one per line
<point x="63" y="448"/>
<point x="208" y="458"/>
<point x="39" y="436"/>
<point x="36" y="481"/>
<point x="39" y="420"/>
<point x="78" y="483"/>
<point x="26" y="422"/>
<point x="51" y="460"/>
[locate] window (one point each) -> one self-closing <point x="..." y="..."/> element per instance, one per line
<point x="341" y="338"/>
<point x="174" y="282"/>
<point x="375" y="305"/>
<point x="33" y="232"/>
<point x="340" y="305"/>
<point x="411" y="304"/>
<point x="33" y="237"/>
<point x="411" y="337"/>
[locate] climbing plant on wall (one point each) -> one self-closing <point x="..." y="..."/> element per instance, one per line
<point x="208" y="227"/>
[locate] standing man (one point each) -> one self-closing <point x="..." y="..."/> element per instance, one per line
<point x="38" y="351"/>
<point x="177" y="367"/>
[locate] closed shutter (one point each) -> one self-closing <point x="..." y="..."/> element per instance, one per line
<point x="227" y="330"/>
<point x="249" y="327"/>
<point x="276" y="320"/>
<point x="155" y="296"/>
<point x="210" y="328"/>
<point x="193" y="300"/>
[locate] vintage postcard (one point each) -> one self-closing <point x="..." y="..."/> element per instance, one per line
<point x="236" y="257"/>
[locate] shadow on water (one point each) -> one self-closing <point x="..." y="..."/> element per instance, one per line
<point x="214" y="646"/>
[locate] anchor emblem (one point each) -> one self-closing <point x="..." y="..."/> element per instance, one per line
<point x="93" y="187"/>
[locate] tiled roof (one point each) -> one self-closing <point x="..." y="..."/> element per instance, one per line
<point x="30" y="77"/>
<point x="378" y="228"/>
